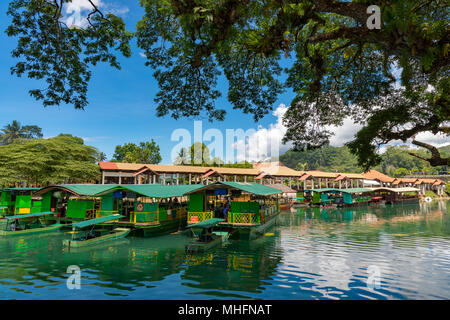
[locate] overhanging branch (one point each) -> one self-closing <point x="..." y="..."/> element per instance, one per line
<point x="436" y="159"/>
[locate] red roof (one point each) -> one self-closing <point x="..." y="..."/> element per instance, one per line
<point x="376" y="175"/>
<point x="108" y="166"/>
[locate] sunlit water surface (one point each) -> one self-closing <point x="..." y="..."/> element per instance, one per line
<point x="309" y="254"/>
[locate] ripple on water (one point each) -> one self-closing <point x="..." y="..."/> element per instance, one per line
<point x="313" y="256"/>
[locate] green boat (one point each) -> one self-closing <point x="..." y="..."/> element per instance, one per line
<point x="84" y="233"/>
<point x="248" y="208"/>
<point x="205" y="237"/>
<point x="24" y="224"/>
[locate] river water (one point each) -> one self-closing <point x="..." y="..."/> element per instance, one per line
<point x="391" y="252"/>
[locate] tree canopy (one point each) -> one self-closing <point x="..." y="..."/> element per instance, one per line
<point x="15" y="130"/>
<point x="393" y="80"/>
<point x="62" y="159"/>
<point x="396" y="161"/>
<point x="198" y="154"/>
<point x="145" y="152"/>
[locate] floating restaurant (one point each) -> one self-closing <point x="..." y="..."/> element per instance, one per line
<point x="215" y="203"/>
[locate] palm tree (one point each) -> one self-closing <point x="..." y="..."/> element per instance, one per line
<point x="15" y="130"/>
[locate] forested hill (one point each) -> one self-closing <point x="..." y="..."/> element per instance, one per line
<point x="396" y="161"/>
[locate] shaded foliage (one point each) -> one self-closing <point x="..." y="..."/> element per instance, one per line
<point x="145" y="152"/>
<point x="394" y="80"/>
<point x="62" y="159"/>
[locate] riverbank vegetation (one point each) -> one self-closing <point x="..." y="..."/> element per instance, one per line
<point x="38" y="162"/>
<point x="396" y="161"/>
<point x="383" y="66"/>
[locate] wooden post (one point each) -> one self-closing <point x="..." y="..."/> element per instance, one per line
<point x="103" y="177"/>
<point x="190" y="178"/>
<point x="164" y="178"/>
<point x="234" y="178"/>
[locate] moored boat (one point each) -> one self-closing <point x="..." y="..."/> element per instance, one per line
<point x="82" y="236"/>
<point x="25" y="224"/>
<point x="205" y="237"/>
<point x="247" y="208"/>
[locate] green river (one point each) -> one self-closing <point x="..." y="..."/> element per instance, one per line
<point x="311" y="253"/>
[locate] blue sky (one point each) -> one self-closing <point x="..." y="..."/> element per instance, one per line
<point x="121" y="105"/>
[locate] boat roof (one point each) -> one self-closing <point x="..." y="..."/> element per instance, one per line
<point x="250" y="187"/>
<point x="320" y="190"/>
<point x="356" y="190"/>
<point x="29" y="215"/>
<point x="79" y="189"/>
<point x="158" y="190"/>
<point x="90" y="222"/>
<point x="208" y="223"/>
<point x="21" y="189"/>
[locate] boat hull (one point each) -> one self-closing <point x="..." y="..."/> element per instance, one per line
<point x="54" y="227"/>
<point x="159" y="229"/>
<point x="199" y="247"/>
<point x="253" y="232"/>
<point x="117" y="233"/>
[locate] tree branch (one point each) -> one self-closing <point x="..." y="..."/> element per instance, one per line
<point x="436" y="159"/>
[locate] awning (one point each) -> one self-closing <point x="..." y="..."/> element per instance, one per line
<point x="90" y="222"/>
<point x="29" y="215"/>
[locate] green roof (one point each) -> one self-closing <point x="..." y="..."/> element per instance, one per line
<point x="208" y="223"/>
<point x="161" y="191"/>
<point x="29" y="215"/>
<point x="250" y="187"/>
<point x="20" y="189"/>
<point x="79" y="189"/>
<point x="90" y="222"/>
<point x="327" y="190"/>
<point x="356" y="190"/>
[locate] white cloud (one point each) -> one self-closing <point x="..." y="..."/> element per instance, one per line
<point x="76" y="12"/>
<point x="265" y="142"/>
<point x="344" y="133"/>
<point x="143" y="55"/>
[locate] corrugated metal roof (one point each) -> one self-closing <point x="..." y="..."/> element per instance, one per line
<point x="21" y="189"/>
<point x="29" y="215"/>
<point x="320" y="190"/>
<point x="250" y="187"/>
<point x="91" y="222"/>
<point x="79" y="189"/>
<point x="161" y="191"/>
<point x="356" y="190"/>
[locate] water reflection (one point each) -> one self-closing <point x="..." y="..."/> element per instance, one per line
<point x="312" y="253"/>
